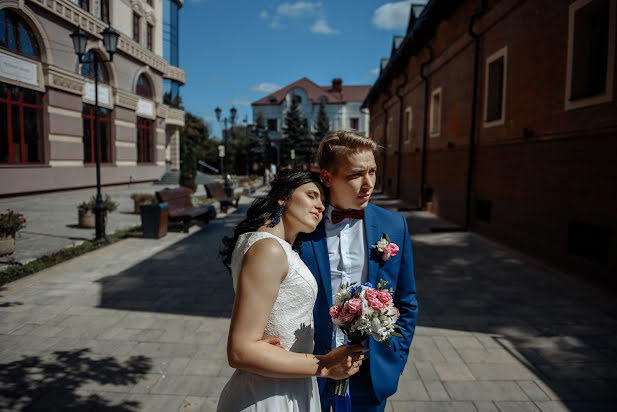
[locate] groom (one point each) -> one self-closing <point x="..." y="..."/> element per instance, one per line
<point x="340" y="251"/>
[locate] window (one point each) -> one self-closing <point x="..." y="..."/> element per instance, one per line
<point x="150" y="3"/>
<point x="408" y="125"/>
<point x="589" y="241"/>
<point x="354" y="123"/>
<point x="105" y="11"/>
<point x="170" y="32"/>
<point x="272" y="124"/>
<point x="84" y="4"/>
<point x="88" y="69"/>
<point x="15" y="35"/>
<point x="87" y="115"/>
<point x="296" y="99"/>
<point x="21" y="125"/>
<point x="495" y="88"/>
<point x="149" y="36"/>
<point x="145" y="135"/>
<point x="143" y="88"/>
<point x="171" y="95"/>
<point x="435" y="113"/>
<point x="136" y="22"/>
<point x="591" y="53"/>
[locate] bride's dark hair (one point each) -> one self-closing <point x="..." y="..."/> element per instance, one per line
<point x="265" y="208"/>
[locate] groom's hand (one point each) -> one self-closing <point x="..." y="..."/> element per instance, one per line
<point x="276" y="341"/>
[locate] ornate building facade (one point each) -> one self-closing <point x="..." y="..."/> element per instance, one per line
<point x="47" y="96"/>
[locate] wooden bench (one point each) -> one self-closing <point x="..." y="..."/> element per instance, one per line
<point x="181" y="208"/>
<point x="224" y="195"/>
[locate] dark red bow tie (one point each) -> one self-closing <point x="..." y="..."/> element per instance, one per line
<point x="338" y="215"/>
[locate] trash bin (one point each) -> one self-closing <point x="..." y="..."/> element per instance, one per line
<point x="154" y="220"/>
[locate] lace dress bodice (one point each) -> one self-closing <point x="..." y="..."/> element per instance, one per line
<point x="291" y="318"/>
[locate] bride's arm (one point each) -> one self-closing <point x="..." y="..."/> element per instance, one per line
<point x="263" y="269"/>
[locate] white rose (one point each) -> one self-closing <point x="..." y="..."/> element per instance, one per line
<point x="361" y="323"/>
<point x="382" y="244"/>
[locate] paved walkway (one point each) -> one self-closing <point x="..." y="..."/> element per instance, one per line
<point x="141" y="326"/>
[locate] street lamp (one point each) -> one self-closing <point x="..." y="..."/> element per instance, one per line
<point x="110" y="40"/>
<point x="232" y="119"/>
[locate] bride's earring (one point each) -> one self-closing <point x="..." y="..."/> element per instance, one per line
<point x="277" y="217"/>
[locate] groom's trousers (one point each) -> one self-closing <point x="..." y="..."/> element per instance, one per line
<point x="361" y="391"/>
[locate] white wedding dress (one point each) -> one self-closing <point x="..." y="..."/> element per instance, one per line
<point x="291" y="320"/>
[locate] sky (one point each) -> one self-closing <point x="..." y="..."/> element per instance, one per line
<point x="235" y="52"/>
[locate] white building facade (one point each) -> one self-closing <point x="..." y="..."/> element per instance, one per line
<point x="342" y="105"/>
<point x="47" y="96"/>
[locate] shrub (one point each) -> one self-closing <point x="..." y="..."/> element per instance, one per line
<point x="110" y="205"/>
<point x="11" y="223"/>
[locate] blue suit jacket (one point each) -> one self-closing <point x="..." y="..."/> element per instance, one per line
<point x="386" y="363"/>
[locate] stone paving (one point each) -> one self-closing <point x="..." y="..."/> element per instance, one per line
<point x="141" y="325"/>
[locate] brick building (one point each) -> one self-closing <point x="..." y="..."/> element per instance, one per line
<point x="500" y="116"/>
<point x="47" y="97"/>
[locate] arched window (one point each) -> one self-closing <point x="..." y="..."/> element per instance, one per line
<point x="145" y="127"/>
<point x="143" y="88"/>
<point x="87" y="67"/>
<point x="16" y="35"/>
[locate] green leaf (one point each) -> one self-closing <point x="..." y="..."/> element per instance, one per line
<point x="398" y="335"/>
<point x="387" y="237"/>
<point x="398" y="327"/>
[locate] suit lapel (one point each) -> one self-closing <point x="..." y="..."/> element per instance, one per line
<point x="320" y="248"/>
<point x="372" y="236"/>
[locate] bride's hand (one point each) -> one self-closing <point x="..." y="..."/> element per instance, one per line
<point x="341" y="362"/>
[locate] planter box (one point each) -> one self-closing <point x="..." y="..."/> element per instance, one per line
<point x="7" y="245"/>
<point x="87" y="219"/>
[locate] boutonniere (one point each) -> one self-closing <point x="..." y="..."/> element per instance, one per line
<point x="385" y="247"/>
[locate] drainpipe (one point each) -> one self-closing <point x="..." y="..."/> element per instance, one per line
<point x="385" y="141"/>
<point x="422" y="197"/>
<point x="400" y="132"/>
<point x="474" y="105"/>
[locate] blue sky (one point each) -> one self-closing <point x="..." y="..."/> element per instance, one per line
<point x="236" y="51"/>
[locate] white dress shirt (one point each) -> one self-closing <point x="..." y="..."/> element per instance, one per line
<point x="348" y="261"/>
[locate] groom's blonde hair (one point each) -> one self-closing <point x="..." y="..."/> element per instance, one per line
<point x="339" y="144"/>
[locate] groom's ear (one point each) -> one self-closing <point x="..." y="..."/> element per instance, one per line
<point x="326" y="177"/>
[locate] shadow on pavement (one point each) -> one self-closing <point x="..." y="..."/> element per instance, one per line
<point x="62" y="381"/>
<point x="187" y="278"/>
<point x="561" y="333"/>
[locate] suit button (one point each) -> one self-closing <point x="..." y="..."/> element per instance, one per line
<point x="330" y="325"/>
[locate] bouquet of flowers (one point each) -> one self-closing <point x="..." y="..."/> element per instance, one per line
<point x="363" y="311"/>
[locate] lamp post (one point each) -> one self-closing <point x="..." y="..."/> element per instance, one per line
<point x="232" y="119"/>
<point x="110" y="40"/>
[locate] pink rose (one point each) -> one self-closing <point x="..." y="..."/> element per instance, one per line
<point x="398" y="314"/>
<point x="376" y="304"/>
<point x="335" y="311"/>
<point x="370" y="294"/>
<point x="384" y="297"/>
<point x="346" y="316"/>
<point x="389" y="251"/>
<point x="354" y="305"/>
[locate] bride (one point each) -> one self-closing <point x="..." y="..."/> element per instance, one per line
<point x="275" y="294"/>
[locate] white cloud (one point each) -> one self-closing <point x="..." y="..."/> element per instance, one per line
<point x="240" y="102"/>
<point x="392" y="15"/>
<point x="284" y="12"/>
<point x="321" y="26"/>
<point x="298" y="9"/>
<point x="265" y="88"/>
<point x="375" y="71"/>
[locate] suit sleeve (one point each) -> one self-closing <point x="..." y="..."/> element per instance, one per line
<point x="405" y="295"/>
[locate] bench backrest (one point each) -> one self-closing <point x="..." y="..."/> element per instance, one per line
<point x="177" y="199"/>
<point x="216" y="190"/>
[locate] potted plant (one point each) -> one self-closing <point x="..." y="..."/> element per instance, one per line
<point x="140" y="199"/>
<point x="10" y="224"/>
<point x="86" y="211"/>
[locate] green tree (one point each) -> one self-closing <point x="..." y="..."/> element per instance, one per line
<point x="195" y="144"/>
<point x="295" y="136"/>
<point x="322" y="128"/>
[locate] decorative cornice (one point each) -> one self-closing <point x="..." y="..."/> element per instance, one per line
<point x="74" y="15"/>
<point x="126" y="99"/>
<point x="175" y="73"/>
<point x="64" y="80"/>
<point x="175" y="117"/>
